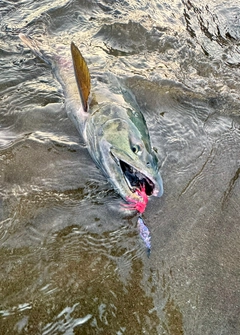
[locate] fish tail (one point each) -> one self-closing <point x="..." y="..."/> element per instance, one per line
<point x="37" y="48"/>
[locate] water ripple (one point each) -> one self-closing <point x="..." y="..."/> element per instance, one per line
<point x="65" y="323"/>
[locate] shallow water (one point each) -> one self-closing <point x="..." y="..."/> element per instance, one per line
<point x="71" y="261"/>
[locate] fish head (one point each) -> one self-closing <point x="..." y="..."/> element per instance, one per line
<point x="127" y="156"/>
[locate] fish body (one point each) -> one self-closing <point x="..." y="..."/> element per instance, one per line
<point x="116" y="134"/>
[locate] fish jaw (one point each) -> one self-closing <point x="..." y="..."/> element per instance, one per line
<point x="158" y="188"/>
<point x="144" y="176"/>
<point x="112" y="168"/>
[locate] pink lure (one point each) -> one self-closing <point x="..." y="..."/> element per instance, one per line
<point x="140" y="206"/>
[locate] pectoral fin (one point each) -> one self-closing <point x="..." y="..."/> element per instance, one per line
<point x="82" y="75"/>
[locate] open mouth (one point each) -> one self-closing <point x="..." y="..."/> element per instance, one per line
<point x="136" y="179"/>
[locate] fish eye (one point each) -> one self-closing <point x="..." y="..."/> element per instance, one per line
<point x="136" y="148"/>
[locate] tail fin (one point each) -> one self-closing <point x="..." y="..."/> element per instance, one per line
<point x="72" y="74"/>
<point x="35" y="47"/>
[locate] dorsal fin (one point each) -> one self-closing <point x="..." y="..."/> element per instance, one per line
<point x="82" y="75"/>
